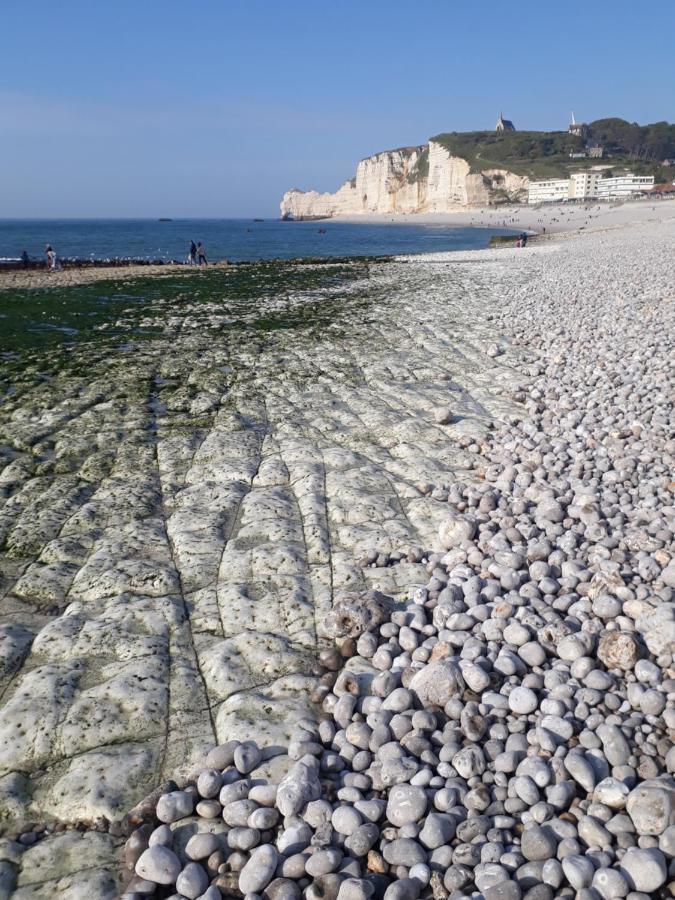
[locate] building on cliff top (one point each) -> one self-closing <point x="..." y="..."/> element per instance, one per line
<point x="504" y="124"/>
<point x="578" y="128"/>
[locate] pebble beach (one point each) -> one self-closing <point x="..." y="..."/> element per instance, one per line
<point x="379" y="607"/>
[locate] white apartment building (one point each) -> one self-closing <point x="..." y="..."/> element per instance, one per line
<point x="583" y="184"/>
<point x="555" y="190"/>
<point x="623" y="186"/>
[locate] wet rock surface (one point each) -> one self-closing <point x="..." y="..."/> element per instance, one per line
<point x="167" y="581"/>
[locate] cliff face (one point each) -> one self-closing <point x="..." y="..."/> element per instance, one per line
<point x="411" y="180"/>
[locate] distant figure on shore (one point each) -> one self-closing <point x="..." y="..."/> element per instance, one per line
<point x="192" y="254"/>
<point x="201" y="254"/>
<point x="51" y="256"/>
<point x="25" y="259"/>
<point x="523" y="239"/>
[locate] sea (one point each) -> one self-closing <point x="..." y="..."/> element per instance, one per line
<point x="236" y="240"/>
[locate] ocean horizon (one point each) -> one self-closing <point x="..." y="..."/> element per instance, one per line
<point x="236" y="239"/>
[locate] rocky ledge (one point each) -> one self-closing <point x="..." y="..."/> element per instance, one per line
<point x="506" y="731"/>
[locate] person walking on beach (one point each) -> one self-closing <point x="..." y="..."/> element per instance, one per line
<point x="25" y="259"/>
<point x="201" y="254"/>
<point x="192" y="255"/>
<point x="51" y="257"/>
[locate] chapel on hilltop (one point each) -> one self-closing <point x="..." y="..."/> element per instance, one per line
<point x="578" y="128"/>
<point x="504" y="124"/>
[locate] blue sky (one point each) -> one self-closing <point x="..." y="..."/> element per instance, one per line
<point x="214" y="108"/>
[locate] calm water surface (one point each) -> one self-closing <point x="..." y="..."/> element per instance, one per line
<point x="233" y="239"/>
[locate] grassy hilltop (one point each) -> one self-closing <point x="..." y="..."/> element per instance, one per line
<point x="545" y="154"/>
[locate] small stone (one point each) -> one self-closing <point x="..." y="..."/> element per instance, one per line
<point x="538" y="843"/>
<point x="282" y="889"/>
<point x="403" y="889"/>
<point x="580" y="770"/>
<point x="611" y="792"/>
<point x="610" y="883"/>
<point x="174" y="806"/>
<point x="209" y="783"/>
<point x="259" y="870"/>
<point x="355" y="889"/>
<point x="158" y="864"/>
<point x="503" y="890"/>
<point x="406" y="803"/>
<point x="404" y="852"/>
<point x="346" y="820"/>
<point x="443" y="415"/>
<point x="201" y="846"/>
<point x="439" y="829"/>
<point x="522" y="701"/>
<point x="363" y="839"/>
<point x="323" y="862"/>
<point x="161" y="835"/>
<point x="222" y="756"/>
<point x="299" y="786"/>
<point x="192" y="881"/>
<point x="247" y="757"/>
<point x="579" y="871"/>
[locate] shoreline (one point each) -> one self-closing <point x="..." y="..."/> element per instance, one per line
<point x="413" y="416"/>
<point x="557" y="218"/>
<point x="539" y="223"/>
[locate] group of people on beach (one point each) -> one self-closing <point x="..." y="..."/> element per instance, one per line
<point x="197" y="254"/>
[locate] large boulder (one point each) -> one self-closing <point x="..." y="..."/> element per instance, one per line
<point x="437" y="683"/>
<point x="300" y="785"/>
<point x="651" y="805"/>
<point x="618" y="650"/>
<point x="657" y="627"/>
<point x="455" y="530"/>
<point x="354" y="614"/>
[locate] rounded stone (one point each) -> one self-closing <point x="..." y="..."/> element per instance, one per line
<point x="259" y="870"/>
<point x="645" y="870"/>
<point x="610" y="883"/>
<point x="404" y="852"/>
<point x="538" y="843"/>
<point x="201" y="846"/>
<point x="522" y="701"/>
<point x="403" y="889"/>
<point x="406" y="803"/>
<point x="158" y="864"/>
<point x="192" y="881"/>
<point x="323" y="862"/>
<point x="174" y="806"/>
<point x="345" y="820"/>
<point x="247" y="757"/>
<point x="355" y="889"/>
<point x="209" y="783"/>
<point x="363" y="839"/>
<point x="578" y="870"/>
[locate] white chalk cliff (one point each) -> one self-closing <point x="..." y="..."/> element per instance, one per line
<point x="411" y="180"/>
